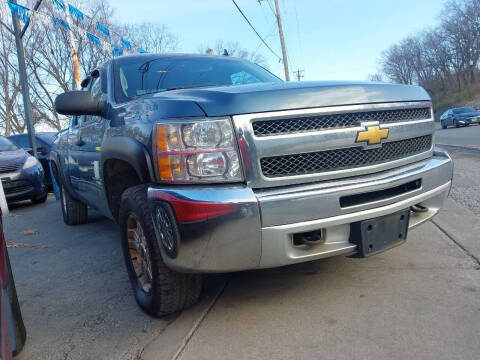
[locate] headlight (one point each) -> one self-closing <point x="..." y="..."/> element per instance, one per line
<point x="30" y="162"/>
<point x="197" y="150"/>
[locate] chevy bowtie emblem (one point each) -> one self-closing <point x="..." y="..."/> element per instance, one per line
<point x="372" y="135"/>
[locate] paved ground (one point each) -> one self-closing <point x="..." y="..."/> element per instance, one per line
<point x="465" y="136"/>
<point x="420" y="300"/>
<point x="73" y="288"/>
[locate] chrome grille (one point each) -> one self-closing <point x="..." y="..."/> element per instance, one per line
<point x="7" y="167"/>
<point x="340" y="120"/>
<point x="332" y="160"/>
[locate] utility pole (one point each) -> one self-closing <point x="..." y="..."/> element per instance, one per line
<point x="76" y="68"/>
<point x="299" y="73"/>
<point x="282" y="41"/>
<point x="22" y="72"/>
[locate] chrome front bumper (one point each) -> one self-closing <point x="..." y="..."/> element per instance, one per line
<point x="230" y="228"/>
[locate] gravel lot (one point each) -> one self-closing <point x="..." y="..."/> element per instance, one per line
<point x="463" y="144"/>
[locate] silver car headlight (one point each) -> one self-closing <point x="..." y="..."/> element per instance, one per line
<point x="30" y="162"/>
<point x="196" y="151"/>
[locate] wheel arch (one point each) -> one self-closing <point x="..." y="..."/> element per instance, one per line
<point x="125" y="162"/>
<point x="60" y="173"/>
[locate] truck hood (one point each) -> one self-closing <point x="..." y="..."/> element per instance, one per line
<point x="264" y="97"/>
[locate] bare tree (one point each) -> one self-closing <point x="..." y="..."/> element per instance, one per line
<point x="442" y="58"/>
<point x="378" y="77"/>
<point x="49" y="56"/>
<point x="233" y="48"/>
<point x="11" y="120"/>
<point x="153" y="38"/>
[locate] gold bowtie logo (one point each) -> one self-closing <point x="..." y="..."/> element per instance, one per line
<point x="373" y="135"/>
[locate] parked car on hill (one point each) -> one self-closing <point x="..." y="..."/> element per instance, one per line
<point x="44" y="142"/>
<point x="22" y="174"/>
<point x="213" y="164"/>
<point x="460" y="116"/>
<point x="12" y="329"/>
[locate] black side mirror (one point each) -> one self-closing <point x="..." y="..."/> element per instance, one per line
<point x="78" y="103"/>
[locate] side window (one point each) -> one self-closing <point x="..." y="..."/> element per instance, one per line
<point x="96" y="89"/>
<point x="77" y="121"/>
<point x="98" y="95"/>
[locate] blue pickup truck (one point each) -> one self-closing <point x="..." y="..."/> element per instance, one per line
<point x="212" y="164"/>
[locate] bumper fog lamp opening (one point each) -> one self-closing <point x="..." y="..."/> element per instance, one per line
<point x="315" y="237"/>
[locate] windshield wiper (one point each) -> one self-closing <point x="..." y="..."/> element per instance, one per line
<point x="190" y="87"/>
<point x="173" y="88"/>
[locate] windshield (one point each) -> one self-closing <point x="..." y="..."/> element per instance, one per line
<point x="7" y="145"/>
<point x="140" y="76"/>
<point x="47" y="137"/>
<point x="466" y="109"/>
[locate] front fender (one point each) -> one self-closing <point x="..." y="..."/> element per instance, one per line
<point x="131" y="151"/>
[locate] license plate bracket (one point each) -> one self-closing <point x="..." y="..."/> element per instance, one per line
<point x="376" y="235"/>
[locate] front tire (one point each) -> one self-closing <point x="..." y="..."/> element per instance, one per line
<point x="74" y="212"/>
<point x="41" y="199"/>
<point x="158" y="290"/>
<point x="444" y="126"/>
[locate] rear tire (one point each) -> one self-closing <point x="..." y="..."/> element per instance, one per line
<point x="74" y="212"/>
<point x="158" y="290"/>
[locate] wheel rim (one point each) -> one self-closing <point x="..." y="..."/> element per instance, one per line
<point x="139" y="255"/>
<point x="64" y="200"/>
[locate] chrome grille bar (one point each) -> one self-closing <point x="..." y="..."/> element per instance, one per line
<point x="256" y="148"/>
<point x="347" y="158"/>
<point x="336" y="121"/>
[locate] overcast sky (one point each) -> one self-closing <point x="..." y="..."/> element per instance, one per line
<point x="334" y="39"/>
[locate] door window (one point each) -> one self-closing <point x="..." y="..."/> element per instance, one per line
<point x="98" y="95"/>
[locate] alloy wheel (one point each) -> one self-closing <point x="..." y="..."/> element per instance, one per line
<point x="139" y="253"/>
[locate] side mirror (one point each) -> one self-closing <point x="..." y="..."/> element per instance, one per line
<point x="78" y="103"/>
<point x="41" y="149"/>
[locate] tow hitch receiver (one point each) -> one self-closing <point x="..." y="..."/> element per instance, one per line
<point x="377" y="235"/>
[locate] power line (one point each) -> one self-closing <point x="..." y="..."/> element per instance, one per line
<point x="256" y="32"/>
<point x="298" y="29"/>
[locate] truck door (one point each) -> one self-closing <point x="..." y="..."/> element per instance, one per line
<point x="90" y="137"/>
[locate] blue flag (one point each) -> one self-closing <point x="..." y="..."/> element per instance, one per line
<point x="93" y="39"/>
<point x="117" y="51"/>
<point x="57" y="21"/>
<point x="20" y="12"/>
<point x="143" y="51"/>
<point x="103" y="30"/>
<point x="60" y="4"/>
<point x="126" y="44"/>
<point x="75" y="12"/>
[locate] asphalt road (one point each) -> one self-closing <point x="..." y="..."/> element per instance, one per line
<point x="420" y="300"/>
<point x="464" y="136"/>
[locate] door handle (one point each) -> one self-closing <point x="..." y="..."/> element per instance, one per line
<point x="80" y="142"/>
